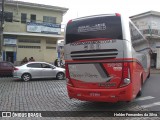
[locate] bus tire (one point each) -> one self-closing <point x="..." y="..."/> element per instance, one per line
<point x="140" y="90"/>
<point x="148" y="75"/>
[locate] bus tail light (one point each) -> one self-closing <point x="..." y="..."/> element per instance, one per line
<point x="69" y="82"/>
<point x="69" y="21"/>
<point x="125" y="75"/>
<point x="117" y="14"/>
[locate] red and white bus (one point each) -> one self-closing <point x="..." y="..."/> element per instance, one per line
<point x="107" y="59"/>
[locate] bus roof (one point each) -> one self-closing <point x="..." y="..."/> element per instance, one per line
<point x="93" y="16"/>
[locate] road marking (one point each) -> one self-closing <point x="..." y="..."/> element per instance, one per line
<point x="144" y="98"/>
<point x="151" y="105"/>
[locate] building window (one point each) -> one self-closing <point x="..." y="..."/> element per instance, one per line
<point x="31" y="47"/>
<point x="33" y="18"/>
<point x="48" y="19"/>
<point x="8" y="16"/>
<point x="51" y="42"/>
<point x="29" y="41"/>
<point x="23" y="17"/>
<point x="48" y="47"/>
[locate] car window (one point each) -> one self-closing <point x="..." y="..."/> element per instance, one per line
<point x="46" y="66"/>
<point x="34" y="65"/>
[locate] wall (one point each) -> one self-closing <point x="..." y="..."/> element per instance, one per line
<point x="26" y="52"/>
<point x="50" y="54"/>
<point x="148" y="22"/>
<point x="142" y="23"/>
<point x="41" y="54"/>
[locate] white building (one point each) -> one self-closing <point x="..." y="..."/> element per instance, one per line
<point x="149" y="25"/>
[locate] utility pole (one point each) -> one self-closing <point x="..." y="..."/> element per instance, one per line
<point x="1" y="29"/>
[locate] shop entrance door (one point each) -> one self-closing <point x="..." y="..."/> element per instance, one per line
<point x="153" y="60"/>
<point x="10" y="56"/>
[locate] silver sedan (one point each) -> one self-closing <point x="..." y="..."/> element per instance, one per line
<point x="38" y="70"/>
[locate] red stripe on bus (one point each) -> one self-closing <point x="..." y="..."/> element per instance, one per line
<point x="95" y="39"/>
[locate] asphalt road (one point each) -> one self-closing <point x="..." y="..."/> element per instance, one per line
<point x="150" y="98"/>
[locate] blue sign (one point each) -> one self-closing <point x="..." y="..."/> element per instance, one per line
<point x="44" y="28"/>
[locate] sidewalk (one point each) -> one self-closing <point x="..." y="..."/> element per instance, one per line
<point x="155" y="71"/>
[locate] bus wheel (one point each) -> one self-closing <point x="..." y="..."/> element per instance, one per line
<point x="140" y="90"/>
<point x="148" y="75"/>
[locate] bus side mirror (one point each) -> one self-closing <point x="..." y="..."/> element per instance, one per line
<point x="150" y="51"/>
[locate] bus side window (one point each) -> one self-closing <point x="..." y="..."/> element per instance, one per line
<point x="139" y="43"/>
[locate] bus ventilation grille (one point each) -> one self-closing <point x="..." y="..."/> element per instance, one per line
<point x="94" y="54"/>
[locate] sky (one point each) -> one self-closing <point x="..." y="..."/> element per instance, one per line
<point x="81" y="8"/>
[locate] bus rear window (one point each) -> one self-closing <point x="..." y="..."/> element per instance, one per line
<point x="95" y="27"/>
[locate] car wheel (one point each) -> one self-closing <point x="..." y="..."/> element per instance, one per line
<point x="26" y="77"/>
<point x="60" y="76"/>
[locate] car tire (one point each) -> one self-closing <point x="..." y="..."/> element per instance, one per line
<point x="60" y="76"/>
<point x="26" y="77"/>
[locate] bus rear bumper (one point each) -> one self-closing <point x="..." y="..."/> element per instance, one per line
<point x="101" y="95"/>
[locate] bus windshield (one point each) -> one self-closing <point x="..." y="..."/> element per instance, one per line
<point x="97" y="27"/>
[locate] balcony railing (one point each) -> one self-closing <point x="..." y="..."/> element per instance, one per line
<point x="151" y="32"/>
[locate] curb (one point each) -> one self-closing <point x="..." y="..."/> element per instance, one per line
<point x="155" y="71"/>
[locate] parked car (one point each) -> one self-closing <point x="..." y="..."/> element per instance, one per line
<point x="6" y="69"/>
<point x="32" y="70"/>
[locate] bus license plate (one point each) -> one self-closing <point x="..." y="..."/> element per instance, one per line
<point x="94" y="94"/>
